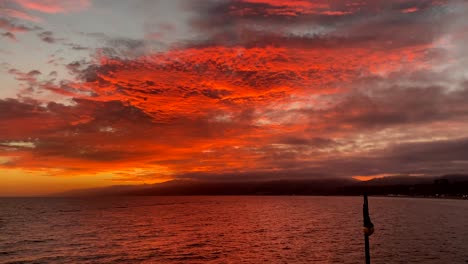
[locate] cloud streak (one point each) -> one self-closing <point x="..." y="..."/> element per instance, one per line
<point x="54" y="6"/>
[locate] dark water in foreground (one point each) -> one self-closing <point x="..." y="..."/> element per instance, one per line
<point x="231" y="230"/>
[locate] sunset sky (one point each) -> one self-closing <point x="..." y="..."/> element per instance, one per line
<point x="106" y="92"/>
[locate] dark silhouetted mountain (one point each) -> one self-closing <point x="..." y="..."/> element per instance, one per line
<point x="189" y="187"/>
<point x="412" y="180"/>
<point x="450" y="185"/>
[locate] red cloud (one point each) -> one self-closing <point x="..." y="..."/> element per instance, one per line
<point x="55" y="6"/>
<point x="11" y="27"/>
<point x="296" y="7"/>
<point x="303" y="9"/>
<point x="410" y="10"/>
<point x="212" y="109"/>
<point x="9" y="35"/>
<point x="236" y="102"/>
<point x="206" y="108"/>
<point x="19" y="14"/>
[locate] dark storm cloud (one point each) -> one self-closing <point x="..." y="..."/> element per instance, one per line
<point x="215" y="93"/>
<point x="266" y="90"/>
<point x="48" y="37"/>
<point x="77" y="47"/>
<point x="321" y="11"/>
<point x="315" y="142"/>
<point x="28" y="77"/>
<point x="124" y="47"/>
<point x="9" y="35"/>
<point x="429" y="158"/>
<point x="12" y="108"/>
<point x="232" y="13"/>
<point x="360" y="24"/>
<point x="394" y="106"/>
<point x="10" y="26"/>
<point x="87" y="130"/>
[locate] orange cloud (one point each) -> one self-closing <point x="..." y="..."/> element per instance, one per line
<point x="19" y="14"/>
<point x="54" y="6"/>
<point x="212" y="109"/>
<point x="296" y="7"/>
<point x="243" y="100"/>
<point x="12" y="27"/>
<point x="301" y="8"/>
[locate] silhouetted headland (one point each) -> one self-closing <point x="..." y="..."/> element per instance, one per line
<point x="449" y="186"/>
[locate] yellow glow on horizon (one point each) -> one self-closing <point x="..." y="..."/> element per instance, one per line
<point x="17" y="182"/>
<point x="371" y="177"/>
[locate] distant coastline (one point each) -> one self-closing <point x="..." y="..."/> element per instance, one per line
<point x="463" y="197"/>
<point x="447" y="187"/>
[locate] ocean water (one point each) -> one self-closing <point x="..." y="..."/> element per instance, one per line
<point x="242" y="229"/>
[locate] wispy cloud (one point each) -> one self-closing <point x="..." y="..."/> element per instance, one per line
<point x="8" y="12"/>
<point x="55" y="6"/>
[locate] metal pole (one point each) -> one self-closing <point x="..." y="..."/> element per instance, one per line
<point x="366" y="240"/>
<point x="368" y="227"/>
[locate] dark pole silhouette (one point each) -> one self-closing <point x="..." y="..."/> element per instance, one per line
<point x="368" y="227"/>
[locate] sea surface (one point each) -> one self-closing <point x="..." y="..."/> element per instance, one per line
<point x="234" y="229"/>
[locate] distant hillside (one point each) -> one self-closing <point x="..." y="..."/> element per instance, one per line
<point x="399" y="185"/>
<point x="278" y="187"/>
<point x="187" y="187"/>
<point x="411" y="180"/>
<point x="450" y="185"/>
<point x="102" y="191"/>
